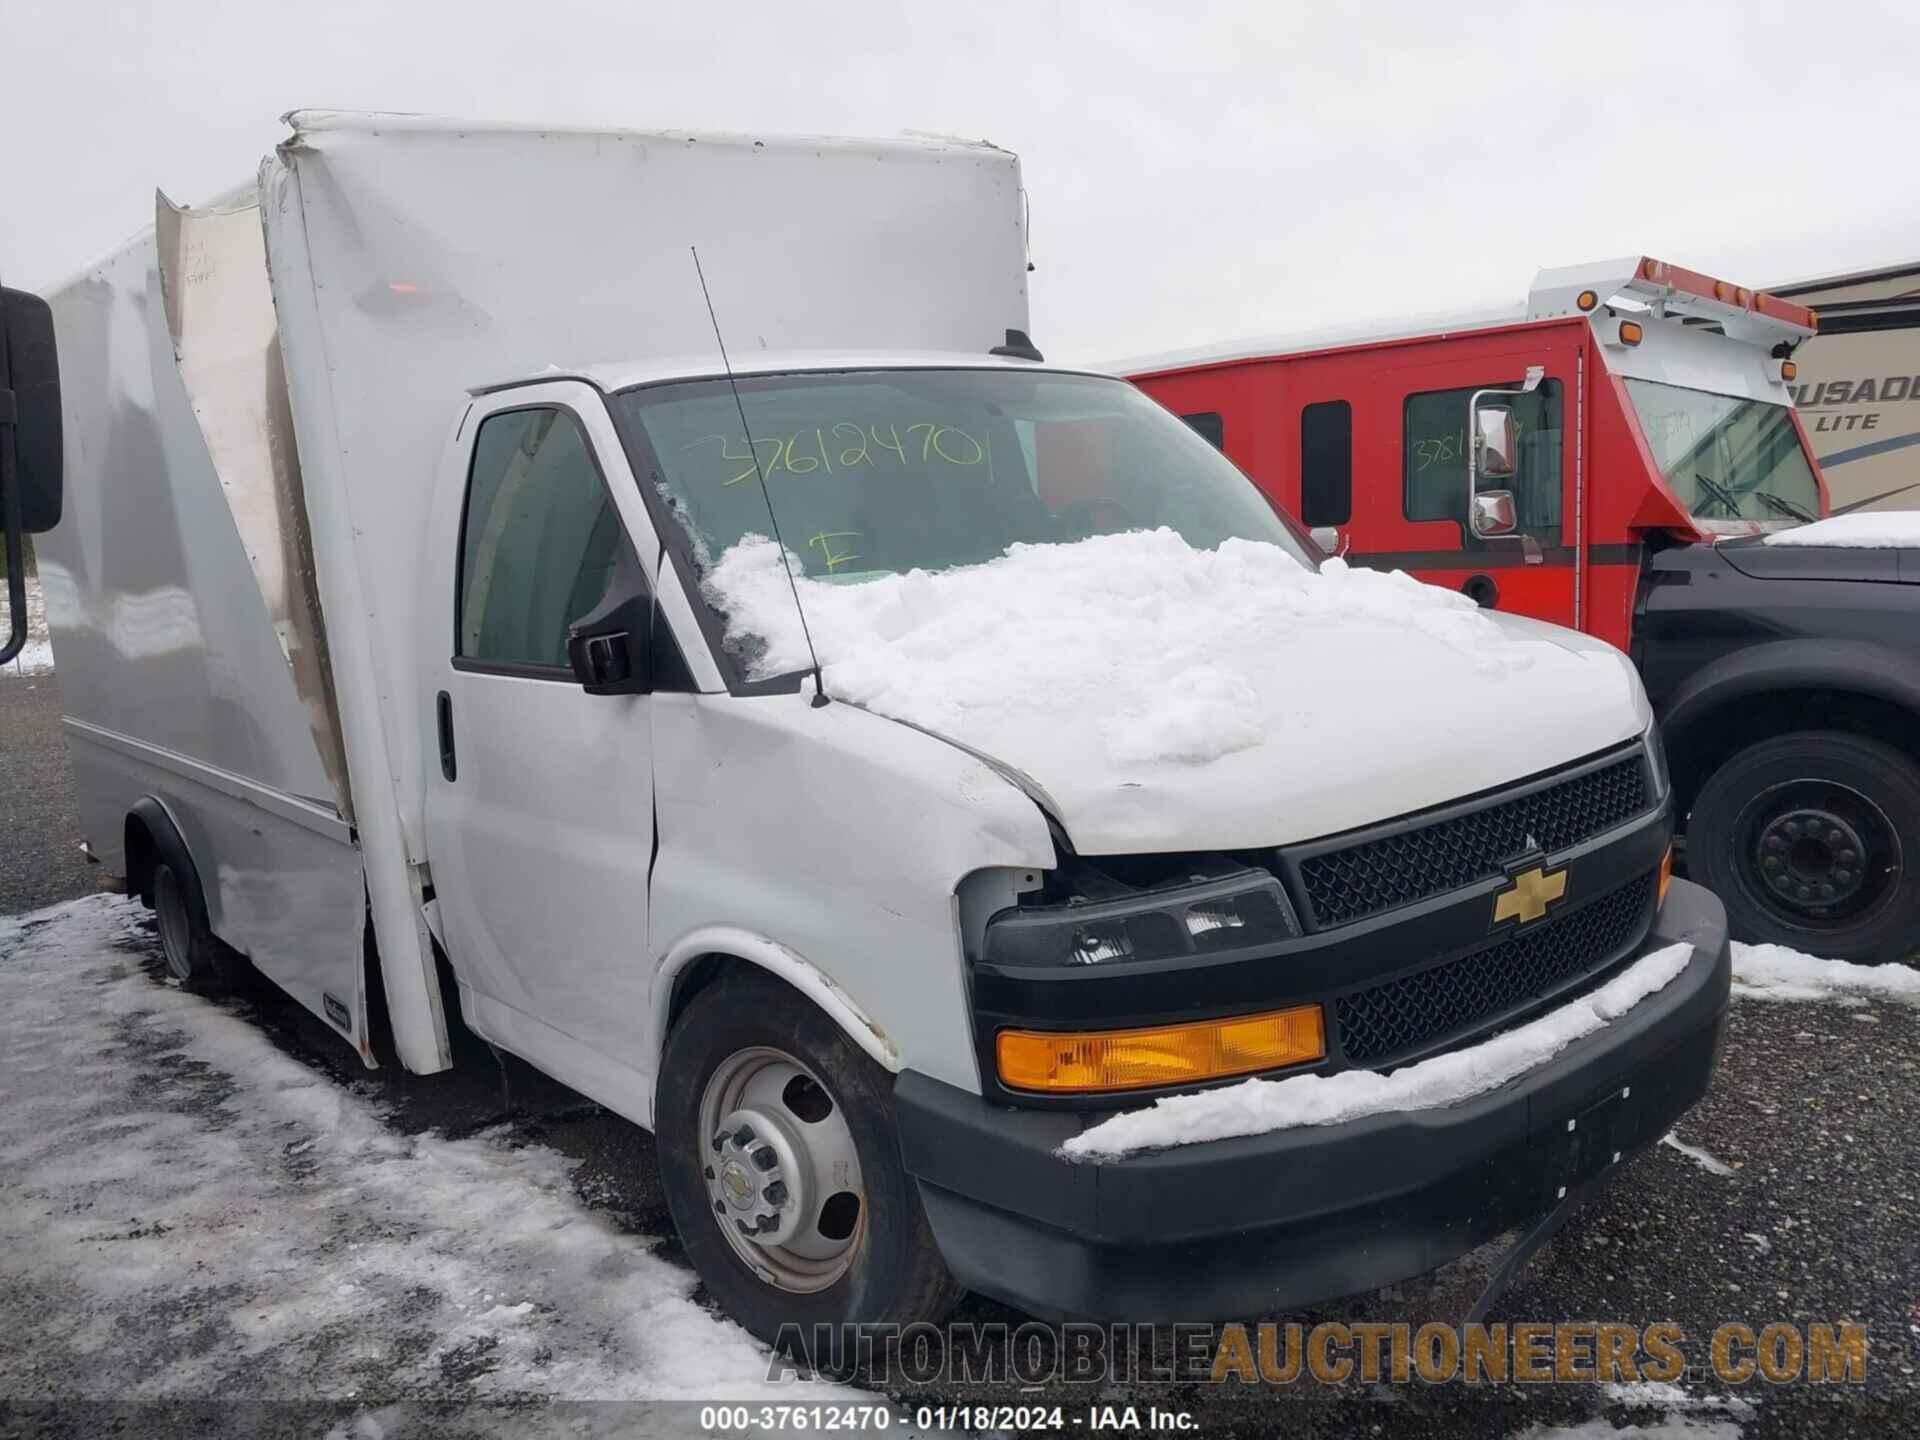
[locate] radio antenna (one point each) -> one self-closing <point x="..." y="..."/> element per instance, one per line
<point x="819" y="685"/>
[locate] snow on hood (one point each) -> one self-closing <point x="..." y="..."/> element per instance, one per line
<point x="1173" y="698"/>
<point x="1881" y="530"/>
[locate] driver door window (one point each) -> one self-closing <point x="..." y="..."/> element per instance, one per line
<point x="539" y="545"/>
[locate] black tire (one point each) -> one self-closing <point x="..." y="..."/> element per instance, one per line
<point x="896" y="1275"/>
<point x="1812" y="840"/>
<point x="194" y="955"/>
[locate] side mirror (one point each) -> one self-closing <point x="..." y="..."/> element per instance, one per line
<point x="30" y="485"/>
<point x="1496" y="442"/>
<point x="1494" y="514"/>
<point x="611" y="650"/>
<point x="1327" y="537"/>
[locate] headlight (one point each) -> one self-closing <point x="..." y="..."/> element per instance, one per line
<point x="1657" y="760"/>
<point x="1201" y="918"/>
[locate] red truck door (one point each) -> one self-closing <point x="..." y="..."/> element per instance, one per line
<point x="1410" y="507"/>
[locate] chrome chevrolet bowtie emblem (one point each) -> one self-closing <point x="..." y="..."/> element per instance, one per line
<point x="1528" y="897"/>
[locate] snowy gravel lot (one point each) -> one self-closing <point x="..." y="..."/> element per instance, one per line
<point x="213" y="1221"/>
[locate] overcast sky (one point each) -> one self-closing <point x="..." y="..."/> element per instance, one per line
<point x="1197" y="171"/>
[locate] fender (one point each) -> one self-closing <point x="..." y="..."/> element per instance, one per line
<point x="1785" y="665"/>
<point x="170" y="846"/>
<point x="777" y="959"/>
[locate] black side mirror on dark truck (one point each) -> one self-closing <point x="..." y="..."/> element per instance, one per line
<point x="30" y="472"/>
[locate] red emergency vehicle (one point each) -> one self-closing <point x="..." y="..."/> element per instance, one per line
<point x="1615" y="455"/>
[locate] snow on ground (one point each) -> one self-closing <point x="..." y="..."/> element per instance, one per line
<point x="1708" y="1163"/>
<point x="1255" y="1107"/>
<point x="1161" y="639"/>
<point x="1773" y="972"/>
<point x="37" y="658"/>
<point x="1880" y="530"/>
<point x="165" y="1170"/>
<point x="1672" y="1426"/>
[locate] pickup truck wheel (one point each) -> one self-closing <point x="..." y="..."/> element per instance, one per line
<point x="194" y="955"/>
<point x="781" y="1166"/>
<point x="1812" y="840"/>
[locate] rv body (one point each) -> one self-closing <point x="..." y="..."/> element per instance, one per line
<point x="384" y="606"/>
<point x="1858" y="389"/>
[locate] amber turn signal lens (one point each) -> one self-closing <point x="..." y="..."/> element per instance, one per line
<point x="1788" y="369"/>
<point x="1161" y="1055"/>
<point x="1630" y="332"/>
<point x="1666" y="877"/>
<point x="1587" y="300"/>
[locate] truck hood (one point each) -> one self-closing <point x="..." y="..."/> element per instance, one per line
<point x="1155" y="697"/>
<point x="1340" y="748"/>
<point x="1759" y="560"/>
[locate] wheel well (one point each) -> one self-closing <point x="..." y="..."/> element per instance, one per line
<point x="698" y="974"/>
<point x="142" y="855"/>
<point x="1716" y="736"/>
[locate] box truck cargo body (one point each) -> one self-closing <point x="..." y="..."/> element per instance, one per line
<point x="741" y="707"/>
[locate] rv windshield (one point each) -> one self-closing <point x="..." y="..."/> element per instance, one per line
<point x="1725" y="457"/>
<point x="883" y="471"/>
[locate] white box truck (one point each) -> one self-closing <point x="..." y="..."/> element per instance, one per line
<point x="872" y="759"/>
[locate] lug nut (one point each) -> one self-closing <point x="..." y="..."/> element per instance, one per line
<point x="1845" y="877"/>
<point x="764" y="1158"/>
<point x="1834" y="837"/>
<point x="1847" y="857"/>
<point x="1774" y="842"/>
<point x="709" y="1172"/>
<point x="743" y="1137"/>
<point x="775" y="1194"/>
<point x="1773" y="862"/>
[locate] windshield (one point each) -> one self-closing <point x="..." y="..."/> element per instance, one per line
<point x="881" y="472"/>
<point x="1727" y="458"/>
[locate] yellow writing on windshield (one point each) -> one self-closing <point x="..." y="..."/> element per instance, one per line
<point x="827" y="543"/>
<point x="846" y="445"/>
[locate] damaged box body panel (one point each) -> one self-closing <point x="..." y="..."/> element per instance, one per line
<point x="181" y="679"/>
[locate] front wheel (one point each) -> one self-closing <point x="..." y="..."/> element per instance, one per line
<point x="781" y="1165"/>
<point x="1812" y="840"/>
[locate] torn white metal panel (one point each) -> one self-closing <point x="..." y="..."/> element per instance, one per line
<point x="394" y="884"/>
<point x="226" y="344"/>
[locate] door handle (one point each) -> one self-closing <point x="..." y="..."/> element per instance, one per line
<point x="443" y="711"/>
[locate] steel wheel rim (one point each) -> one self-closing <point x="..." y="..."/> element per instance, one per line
<point x="170" y="910"/>
<point x="1817" y="855"/>
<point x="783" y="1184"/>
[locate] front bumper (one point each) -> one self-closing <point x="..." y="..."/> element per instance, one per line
<point x="1263" y="1223"/>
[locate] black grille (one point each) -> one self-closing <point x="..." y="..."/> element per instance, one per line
<point x="1419" y="1011"/>
<point x="1375" y="875"/>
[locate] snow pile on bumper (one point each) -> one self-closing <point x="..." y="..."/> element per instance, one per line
<point x="1255" y="1107"/>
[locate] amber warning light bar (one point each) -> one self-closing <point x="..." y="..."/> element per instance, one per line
<point x="1666" y="291"/>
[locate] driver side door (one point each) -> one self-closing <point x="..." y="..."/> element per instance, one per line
<point x="539" y="817"/>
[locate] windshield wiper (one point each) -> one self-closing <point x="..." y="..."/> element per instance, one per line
<point x="1783" y="505"/>
<point x="1720" y="493"/>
